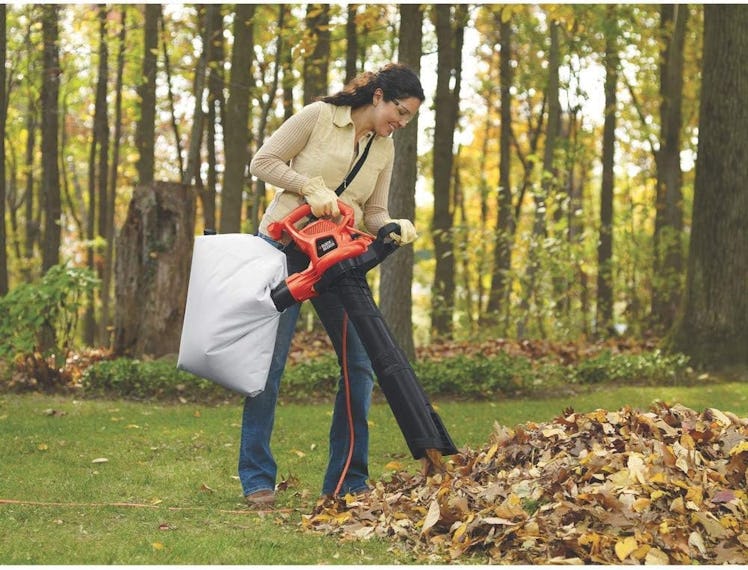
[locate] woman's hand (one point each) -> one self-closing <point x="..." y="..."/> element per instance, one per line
<point x="323" y="201"/>
<point x="407" y="232"/>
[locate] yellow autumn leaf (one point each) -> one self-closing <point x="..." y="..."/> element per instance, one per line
<point x="396" y="465"/>
<point x="489" y="455"/>
<point x="695" y="494"/>
<point x="625" y="547"/>
<point x="641" y="504"/>
<point x="739" y="448"/>
<point x="459" y="533"/>
<point x="687" y="442"/>
<point x="157" y="545"/>
<point x="340" y="518"/>
<point x="658" y="477"/>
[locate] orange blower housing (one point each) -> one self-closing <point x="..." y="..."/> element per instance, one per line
<point x="325" y="242"/>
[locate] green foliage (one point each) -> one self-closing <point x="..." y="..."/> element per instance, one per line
<point x="147" y="380"/>
<point x="476" y="377"/>
<point x="463" y="377"/>
<point x="654" y="368"/>
<point x="311" y="380"/>
<point x="41" y="318"/>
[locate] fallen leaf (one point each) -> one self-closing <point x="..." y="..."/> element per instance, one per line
<point x="100" y="460"/>
<point x="432" y="517"/>
<point x="695" y="539"/>
<point x="656" y="557"/>
<point x="625" y="547"/>
<point x="739" y="448"/>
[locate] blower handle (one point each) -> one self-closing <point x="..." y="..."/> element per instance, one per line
<point x="288" y="224"/>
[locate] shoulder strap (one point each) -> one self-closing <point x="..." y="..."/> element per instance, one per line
<point x="356" y="167"/>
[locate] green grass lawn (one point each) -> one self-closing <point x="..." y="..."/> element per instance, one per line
<point x="178" y="463"/>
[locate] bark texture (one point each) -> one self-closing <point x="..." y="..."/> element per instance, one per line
<point x="152" y="269"/>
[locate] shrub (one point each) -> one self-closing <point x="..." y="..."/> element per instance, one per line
<point x="145" y="380"/>
<point x="469" y="377"/>
<point x="651" y="367"/>
<point x="38" y="321"/>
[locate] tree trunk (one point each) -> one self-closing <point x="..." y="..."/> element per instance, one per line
<point x="216" y="104"/>
<point x="287" y="81"/>
<point x="154" y="254"/>
<point x="713" y="329"/>
<point x="145" y="135"/>
<point x="192" y="172"/>
<point x="351" y="42"/>
<point x="106" y="283"/>
<point x="317" y="56"/>
<point x="236" y="131"/>
<point x="449" y="34"/>
<point x="396" y="299"/>
<point x="668" y="236"/>
<point x="258" y="196"/>
<point x="32" y="210"/>
<point x="172" y="102"/>
<point x="3" y="107"/>
<point x="544" y="193"/>
<point x="50" y="188"/>
<point x="98" y="171"/>
<point x="505" y="227"/>
<point x="604" y="311"/>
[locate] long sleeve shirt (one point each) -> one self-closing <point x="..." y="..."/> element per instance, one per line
<point x="319" y="140"/>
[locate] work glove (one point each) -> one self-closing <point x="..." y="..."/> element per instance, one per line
<point x="407" y="232"/>
<point x="323" y="201"/>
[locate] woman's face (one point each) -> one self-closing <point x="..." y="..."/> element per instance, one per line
<point x="395" y="114"/>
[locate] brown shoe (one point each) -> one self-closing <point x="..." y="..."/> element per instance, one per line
<point x="262" y="498"/>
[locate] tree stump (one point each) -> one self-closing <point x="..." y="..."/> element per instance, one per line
<point x="154" y="254"/>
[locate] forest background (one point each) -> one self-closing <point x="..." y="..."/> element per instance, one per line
<point x="576" y="172"/>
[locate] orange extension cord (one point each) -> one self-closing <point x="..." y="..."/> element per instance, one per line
<point x="349" y="410"/>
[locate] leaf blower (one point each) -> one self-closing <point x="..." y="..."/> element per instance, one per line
<point x="340" y="256"/>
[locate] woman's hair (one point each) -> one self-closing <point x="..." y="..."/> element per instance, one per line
<point x="396" y="81"/>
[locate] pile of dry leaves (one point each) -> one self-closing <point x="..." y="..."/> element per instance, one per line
<point x="666" y="486"/>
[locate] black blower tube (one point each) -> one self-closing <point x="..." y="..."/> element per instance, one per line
<point x="420" y="424"/>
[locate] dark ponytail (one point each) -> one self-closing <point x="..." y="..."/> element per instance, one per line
<point x="395" y="80"/>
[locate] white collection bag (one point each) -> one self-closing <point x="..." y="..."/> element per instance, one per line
<point x="230" y="320"/>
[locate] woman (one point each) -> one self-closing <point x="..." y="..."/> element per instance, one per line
<point x="312" y="152"/>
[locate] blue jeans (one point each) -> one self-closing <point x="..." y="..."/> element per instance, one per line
<point x="257" y="467"/>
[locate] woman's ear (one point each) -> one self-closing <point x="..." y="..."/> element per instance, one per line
<point x="378" y="96"/>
